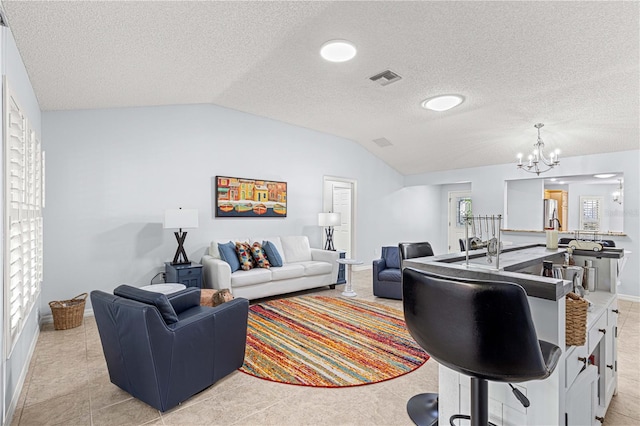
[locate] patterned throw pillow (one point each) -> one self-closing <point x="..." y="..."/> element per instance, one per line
<point x="259" y="256"/>
<point x="244" y="255"/>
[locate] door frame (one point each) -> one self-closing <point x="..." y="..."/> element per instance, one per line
<point x="451" y="196"/>
<point x="327" y="204"/>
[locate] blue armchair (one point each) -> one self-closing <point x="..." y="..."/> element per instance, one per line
<point x="162" y="350"/>
<point x="386" y="274"/>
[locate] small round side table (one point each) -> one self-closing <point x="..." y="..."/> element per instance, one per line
<point x="166" y="288"/>
<point x="348" y="289"/>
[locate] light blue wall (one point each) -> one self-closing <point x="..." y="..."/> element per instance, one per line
<point x="111" y="173"/>
<point x="488" y="194"/>
<point x="16" y="365"/>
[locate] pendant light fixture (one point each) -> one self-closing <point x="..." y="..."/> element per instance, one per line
<point x="537" y="159"/>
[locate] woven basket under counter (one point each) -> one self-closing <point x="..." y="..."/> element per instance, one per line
<point x="576" y="321"/>
<point x="68" y="313"/>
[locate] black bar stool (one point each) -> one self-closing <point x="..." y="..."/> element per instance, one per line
<point x="422" y="408"/>
<point x="482" y="329"/>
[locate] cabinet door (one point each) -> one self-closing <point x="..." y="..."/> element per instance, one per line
<point x="575" y="360"/>
<point x="191" y="277"/>
<point x="610" y="354"/>
<point x="582" y="397"/>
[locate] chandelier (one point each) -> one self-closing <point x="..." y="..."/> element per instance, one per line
<point x="537" y="159"/>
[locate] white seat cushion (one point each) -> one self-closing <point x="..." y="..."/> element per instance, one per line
<point x="285" y="272"/>
<point x="296" y="248"/>
<point x="313" y="267"/>
<point x="250" y="277"/>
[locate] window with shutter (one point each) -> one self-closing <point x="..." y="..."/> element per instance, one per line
<point x="590" y="212"/>
<point x="24" y="199"/>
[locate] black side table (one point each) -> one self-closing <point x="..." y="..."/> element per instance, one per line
<point x="189" y="274"/>
<point x="342" y="279"/>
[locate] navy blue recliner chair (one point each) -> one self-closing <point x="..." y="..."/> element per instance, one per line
<point x="163" y="350"/>
<point x="386" y="274"/>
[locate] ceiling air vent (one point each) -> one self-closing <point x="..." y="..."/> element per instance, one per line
<point x="382" y="142"/>
<point x="385" y="77"/>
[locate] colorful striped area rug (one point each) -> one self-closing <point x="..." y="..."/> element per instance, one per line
<point x="328" y="342"/>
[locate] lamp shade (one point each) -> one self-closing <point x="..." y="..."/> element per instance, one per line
<point x="180" y="218"/>
<point x="329" y="219"/>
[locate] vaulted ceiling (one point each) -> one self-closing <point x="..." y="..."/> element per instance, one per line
<point x="573" y="66"/>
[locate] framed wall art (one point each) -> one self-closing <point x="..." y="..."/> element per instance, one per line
<point x="242" y="197"/>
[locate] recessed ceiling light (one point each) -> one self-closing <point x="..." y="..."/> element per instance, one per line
<point x="442" y="103"/>
<point x="553" y="179"/>
<point x="338" y="51"/>
<point x="604" y="175"/>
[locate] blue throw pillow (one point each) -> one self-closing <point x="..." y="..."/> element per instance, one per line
<point x="228" y="254"/>
<point x="159" y="300"/>
<point x="391" y="256"/>
<point x="272" y="253"/>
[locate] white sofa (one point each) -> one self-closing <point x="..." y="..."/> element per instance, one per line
<point x="303" y="268"/>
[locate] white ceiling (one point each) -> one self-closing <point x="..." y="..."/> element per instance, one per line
<point x="572" y="65"/>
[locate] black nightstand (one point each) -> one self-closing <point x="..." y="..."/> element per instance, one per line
<point x="341" y="271"/>
<point x="189" y="274"/>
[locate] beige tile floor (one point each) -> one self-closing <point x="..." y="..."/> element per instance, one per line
<point x="67" y="383"/>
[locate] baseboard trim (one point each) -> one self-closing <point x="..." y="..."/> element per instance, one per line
<point x="358" y="268"/>
<point x="11" y="409"/>
<point x="629" y="298"/>
<point x="48" y="318"/>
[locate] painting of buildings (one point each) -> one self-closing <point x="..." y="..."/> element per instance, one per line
<point x="240" y="197"/>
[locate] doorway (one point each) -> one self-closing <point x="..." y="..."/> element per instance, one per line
<point x="339" y="195"/>
<point x="459" y="207"/>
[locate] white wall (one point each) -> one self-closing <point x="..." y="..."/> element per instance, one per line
<point x="524" y="204"/>
<point x="612" y="212"/>
<point x="15" y="367"/>
<point x="111" y="174"/>
<point x="488" y="197"/>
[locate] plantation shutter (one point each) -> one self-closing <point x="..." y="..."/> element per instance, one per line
<point x="590" y="213"/>
<point x="23" y="217"/>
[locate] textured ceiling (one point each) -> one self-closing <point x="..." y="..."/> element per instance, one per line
<point x="571" y="65"/>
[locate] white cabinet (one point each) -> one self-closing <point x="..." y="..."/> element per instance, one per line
<point x="591" y="390"/>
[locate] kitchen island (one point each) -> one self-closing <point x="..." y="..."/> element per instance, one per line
<point x="580" y="389"/>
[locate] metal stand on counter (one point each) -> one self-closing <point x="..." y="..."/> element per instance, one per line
<point x="476" y="242"/>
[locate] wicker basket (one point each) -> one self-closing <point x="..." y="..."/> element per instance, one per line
<point x="576" y="322"/>
<point x="68" y="313"/>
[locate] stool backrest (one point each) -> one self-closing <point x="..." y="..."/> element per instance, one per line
<point x="479" y="328"/>
<point x="413" y="250"/>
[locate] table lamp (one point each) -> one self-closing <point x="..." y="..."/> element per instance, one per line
<point x="329" y="220"/>
<point x="180" y="219"/>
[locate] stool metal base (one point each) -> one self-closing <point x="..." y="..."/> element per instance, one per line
<point x="423" y="409"/>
